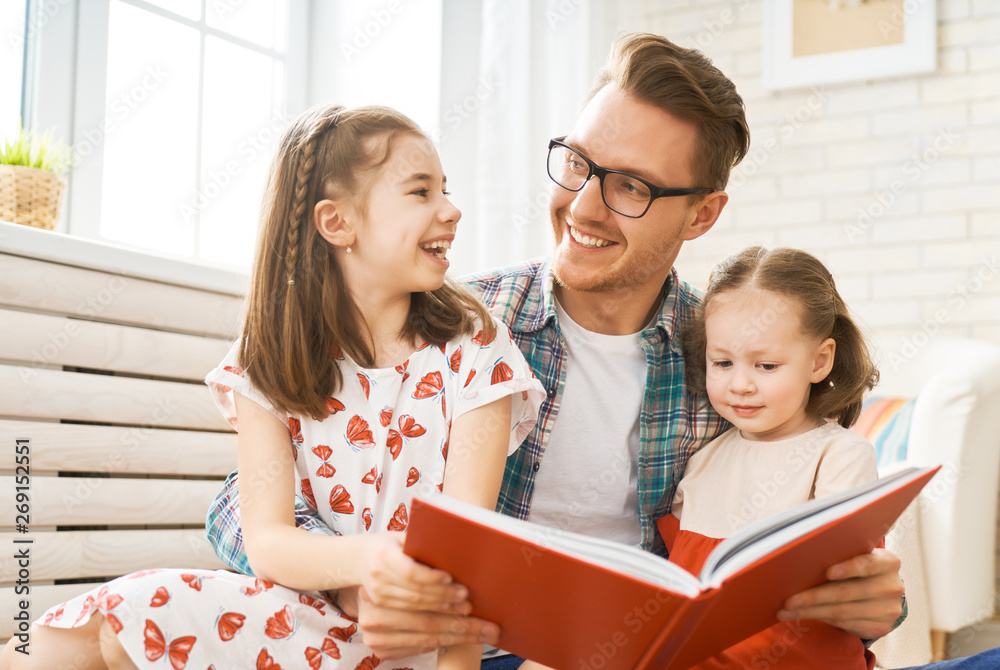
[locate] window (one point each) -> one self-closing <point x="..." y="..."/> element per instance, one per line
<point x="178" y="105"/>
<point x="12" y="28"/>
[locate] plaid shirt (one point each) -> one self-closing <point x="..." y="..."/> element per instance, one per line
<point x="673" y="424"/>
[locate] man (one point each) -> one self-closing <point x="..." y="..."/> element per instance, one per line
<point x="642" y="171"/>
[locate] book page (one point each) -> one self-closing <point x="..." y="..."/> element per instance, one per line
<point x="613" y="556"/>
<point x="762" y="538"/>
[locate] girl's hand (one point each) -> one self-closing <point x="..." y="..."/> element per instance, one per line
<point x="394" y="580"/>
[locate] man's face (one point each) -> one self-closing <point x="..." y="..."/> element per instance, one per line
<point x="598" y="249"/>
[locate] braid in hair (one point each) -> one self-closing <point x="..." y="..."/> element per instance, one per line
<point x="303" y="174"/>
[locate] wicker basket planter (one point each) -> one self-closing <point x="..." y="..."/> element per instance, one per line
<point x="30" y="196"/>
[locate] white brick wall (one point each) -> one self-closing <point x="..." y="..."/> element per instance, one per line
<point x="894" y="183"/>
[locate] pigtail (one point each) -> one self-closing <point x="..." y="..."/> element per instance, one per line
<point x="841" y="394"/>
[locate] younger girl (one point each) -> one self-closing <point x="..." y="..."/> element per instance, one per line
<point x="361" y="378"/>
<point x="780" y="358"/>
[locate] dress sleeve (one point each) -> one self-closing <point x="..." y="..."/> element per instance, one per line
<point x="229" y="378"/>
<point x="849" y="460"/>
<point x="492" y="369"/>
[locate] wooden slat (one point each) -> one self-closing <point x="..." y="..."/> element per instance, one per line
<point x="107" y="553"/>
<point x="80" y="501"/>
<point x="54" y="394"/>
<point x="43" y="339"/>
<point x="41" y="598"/>
<point x="61" y="289"/>
<point x="68" y="447"/>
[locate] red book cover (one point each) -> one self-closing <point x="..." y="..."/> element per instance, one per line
<point x="576" y="603"/>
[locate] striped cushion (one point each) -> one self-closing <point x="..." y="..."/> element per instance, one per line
<point x="885" y="422"/>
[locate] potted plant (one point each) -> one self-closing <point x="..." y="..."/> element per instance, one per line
<point x="31" y="181"/>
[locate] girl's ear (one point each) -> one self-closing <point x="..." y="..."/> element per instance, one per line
<point x="823" y="362"/>
<point x="334" y="223"/>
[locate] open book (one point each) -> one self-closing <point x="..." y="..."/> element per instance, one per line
<point x="575" y="602"/>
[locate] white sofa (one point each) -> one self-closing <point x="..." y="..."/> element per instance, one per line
<point x="947" y="539"/>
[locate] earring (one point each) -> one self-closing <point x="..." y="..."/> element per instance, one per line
<point x="348" y="250"/>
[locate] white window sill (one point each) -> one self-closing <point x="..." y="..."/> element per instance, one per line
<point x="84" y="253"/>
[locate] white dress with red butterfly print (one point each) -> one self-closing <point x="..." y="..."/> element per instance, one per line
<point x="385" y="440"/>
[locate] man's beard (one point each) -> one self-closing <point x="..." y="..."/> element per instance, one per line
<point x="631" y="270"/>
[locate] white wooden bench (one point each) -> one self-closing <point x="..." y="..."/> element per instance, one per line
<point x="101" y="375"/>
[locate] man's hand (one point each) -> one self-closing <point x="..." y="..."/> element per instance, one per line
<point x="395" y="633"/>
<point x="863" y="597"/>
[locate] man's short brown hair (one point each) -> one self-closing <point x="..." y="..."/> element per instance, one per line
<point x="684" y="83"/>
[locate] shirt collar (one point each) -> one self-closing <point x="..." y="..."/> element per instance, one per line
<point x="677" y="304"/>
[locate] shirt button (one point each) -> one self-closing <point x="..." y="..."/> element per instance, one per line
<point x="552" y="393"/>
<point x="537" y="465"/>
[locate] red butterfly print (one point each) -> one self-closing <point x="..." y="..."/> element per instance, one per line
<point x="333" y="406"/>
<point x="444" y="450"/>
<point x="394" y="442"/>
<point x="337" y="353"/>
<point x="295" y="427"/>
<point x="385" y="416"/>
<point x="409" y="427"/>
<point x="313" y="602"/>
<point x="359" y="435"/>
<point x="401" y="369"/>
<point x="315" y="656"/>
<point x="399" y="518"/>
<point x="378" y="483"/>
<point x="86" y="608"/>
<point x="236" y="370"/>
<point x="156" y="646"/>
<point x="340" y="501"/>
<point x="370" y="477"/>
<point x="258" y="586"/>
<point x="229" y="625"/>
<point x="368" y="663"/>
<point x="107" y="600"/>
<point x="456" y="360"/>
<point x="366" y="515"/>
<point x="53" y="616"/>
<point x="307" y="493"/>
<point x="472" y="373"/>
<point x="413" y="477"/>
<point x="366" y="383"/>
<point x="194" y="581"/>
<point x="483" y="341"/>
<point x="281" y="624"/>
<point x="265" y="662"/>
<point x="116" y="625"/>
<point x="343" y="634"/>
<point x="501" y="373"/>
<point x="160" y="598"/>
<point x="324" y="452"/>
<point x="429" y="386"/>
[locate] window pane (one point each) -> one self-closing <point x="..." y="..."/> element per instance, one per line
<point x="242" y="120"/>
<point x="150" y="130"/>
<point x="189" y="9"/>
<point x="11" y="64"/>
<point x="259" y="21"/>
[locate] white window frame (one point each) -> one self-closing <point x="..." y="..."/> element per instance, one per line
<point x="67" y="93"/>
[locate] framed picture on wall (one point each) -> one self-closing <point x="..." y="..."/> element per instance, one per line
<point x="811" y="42"/>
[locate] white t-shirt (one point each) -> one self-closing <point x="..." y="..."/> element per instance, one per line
<point x="587" y="479"/>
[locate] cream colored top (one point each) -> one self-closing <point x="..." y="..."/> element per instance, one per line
<point x="732" y="481"/>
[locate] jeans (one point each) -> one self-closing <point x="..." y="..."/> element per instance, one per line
<point x="987" y="660"/>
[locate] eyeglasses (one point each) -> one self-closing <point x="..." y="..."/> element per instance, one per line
<point x="623" y="193"/>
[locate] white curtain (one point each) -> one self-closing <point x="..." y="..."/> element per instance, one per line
<point x="514" y="75"/>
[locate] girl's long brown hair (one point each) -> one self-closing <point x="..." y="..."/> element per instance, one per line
<point x="299" y="311"/>
<point x="801" y="277"/>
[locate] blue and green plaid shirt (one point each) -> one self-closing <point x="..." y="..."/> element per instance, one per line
<point x="673" y="424"/>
